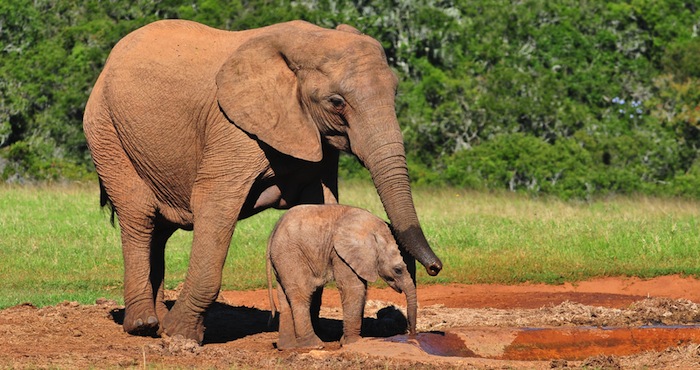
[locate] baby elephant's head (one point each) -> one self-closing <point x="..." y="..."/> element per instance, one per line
<point x="390" y="264"/>
<point x="366" y="243"/>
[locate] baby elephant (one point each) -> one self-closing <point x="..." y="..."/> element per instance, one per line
<point x="311" y="245"/>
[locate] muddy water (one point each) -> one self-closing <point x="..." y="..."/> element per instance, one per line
<point x="437" y="343"/>
<point x="569" y="343"/>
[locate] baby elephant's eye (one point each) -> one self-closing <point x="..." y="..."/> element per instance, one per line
<point x="398" y="271"/>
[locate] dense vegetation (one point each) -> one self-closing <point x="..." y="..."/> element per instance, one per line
<point x="562" y="97"/>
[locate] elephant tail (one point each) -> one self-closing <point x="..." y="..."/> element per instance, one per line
<point x="105" y="201"/>
<point x="273" y="308"/>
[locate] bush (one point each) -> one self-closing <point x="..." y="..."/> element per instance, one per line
<point x="519" y="162"/>
<point x="582" y="166"/>
<point x="30" y="161"/>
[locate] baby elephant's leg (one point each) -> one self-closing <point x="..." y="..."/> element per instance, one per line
<point x="301" y="313"/>
<point x="353" y="292"/>
<point x="287" y="336"/>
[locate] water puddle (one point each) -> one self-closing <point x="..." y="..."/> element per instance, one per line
<point x="569" y="343"/>
<point x="437" y="343"/>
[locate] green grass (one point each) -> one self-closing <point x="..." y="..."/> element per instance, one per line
<point x="509" y="238"/>
<point x="56" y="243"/>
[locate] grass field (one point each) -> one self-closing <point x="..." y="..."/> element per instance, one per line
<point x="57" y="244"/>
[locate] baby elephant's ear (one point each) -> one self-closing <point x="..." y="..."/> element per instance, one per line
<point x="358" y="249"/>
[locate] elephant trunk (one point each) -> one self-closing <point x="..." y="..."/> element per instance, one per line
<point x="411" y="305"/>
<point x="386" y="161"/>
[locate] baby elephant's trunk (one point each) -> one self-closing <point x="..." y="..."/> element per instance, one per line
<point x="411" y="305"/>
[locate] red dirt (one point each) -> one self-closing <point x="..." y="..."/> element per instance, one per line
<point x="461" y="326"/>
<point x="607" y="292"/>
<point x="580" y="343"/>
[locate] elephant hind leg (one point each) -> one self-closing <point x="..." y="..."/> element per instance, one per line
<point x="295" y="329"/>
<point x="140" y="280"/>
<point x="301" y="313"/>
<point x="136" y="212"/>
<point x="135" y="206"/>
<point x="287" y="335"/>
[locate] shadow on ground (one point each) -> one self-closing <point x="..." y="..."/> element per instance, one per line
<point x="226" y="323"/>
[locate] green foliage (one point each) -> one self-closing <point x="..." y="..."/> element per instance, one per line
<point x="561" y="97"/>
<point x="555" y="78"/>
<point x="50" y="60"/>
<point x="522" y="163"/>
<point x="680" y="59"/>
<point x="581" y="166"/>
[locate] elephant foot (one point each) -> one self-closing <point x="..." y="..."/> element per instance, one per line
<point x="144" y="323"/>
<point x="187" y="327"/>
<point x="178" y="344"/>
<point x="349" y="339"/>
<point x="161" y="311"/>
<point x="309" y="342"/>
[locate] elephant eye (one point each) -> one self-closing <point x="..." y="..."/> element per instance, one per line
<point x="337" y="101"/>
<point x="398" y="271"/>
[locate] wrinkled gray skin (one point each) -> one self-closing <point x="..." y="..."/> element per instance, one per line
<point x="195" y="128"/>
<point x="314" y="244"/>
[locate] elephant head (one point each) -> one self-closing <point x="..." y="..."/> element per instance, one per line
<point x="371" y="252"/>
<point x="298" y="87"/>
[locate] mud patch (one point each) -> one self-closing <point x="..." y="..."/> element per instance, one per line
<point x="539" y="344"/>
<point x="579" y="343"/>
<point x="70" y="335"/>
<point x="437" y="343"/>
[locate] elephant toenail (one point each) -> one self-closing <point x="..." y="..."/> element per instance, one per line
<point x="152" y="320"/>
<point x="138" y="323"/>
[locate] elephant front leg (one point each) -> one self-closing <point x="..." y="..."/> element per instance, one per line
<point x="353" y="292"/>
<point x="214" y="221"/>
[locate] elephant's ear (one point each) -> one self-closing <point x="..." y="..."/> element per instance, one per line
<point x="258" y="92"/>
<point x="358" y="249"/>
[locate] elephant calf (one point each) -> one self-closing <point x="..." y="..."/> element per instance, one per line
<point x="311" y="245"/>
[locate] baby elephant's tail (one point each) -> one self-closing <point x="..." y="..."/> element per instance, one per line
<point x="273" y="309"/>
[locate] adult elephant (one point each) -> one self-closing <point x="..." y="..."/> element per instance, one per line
<point x="195" y="128"/>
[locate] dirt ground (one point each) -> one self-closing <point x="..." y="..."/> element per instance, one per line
<point x="460" y="326"/>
